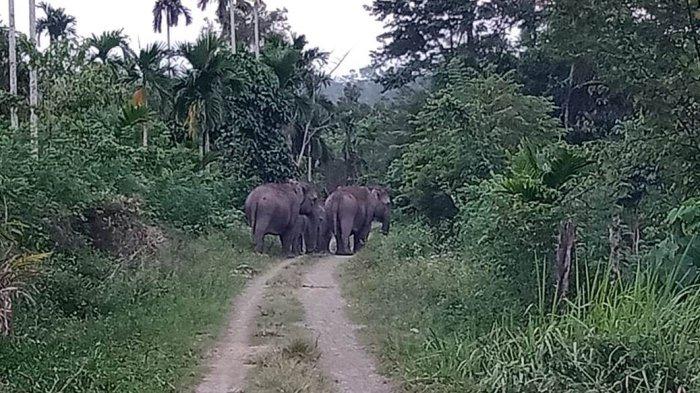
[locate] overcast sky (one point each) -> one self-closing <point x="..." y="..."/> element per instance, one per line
<point x="337" y="26"/>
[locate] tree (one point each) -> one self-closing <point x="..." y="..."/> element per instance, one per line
<point x="425" y="33"/>
<point x="464" y="132"/>
<point x="225" y="7"/>
<point x="33" y="85"/>
<point x="200" y="95"/>
<point x="149" y="71"/>
<point x="173" y="10"/>
<point x="256" y="18"/>
<point x="55" y="22"/>
<point x="298" y="71"/>
<point x="270" y="23"/>
<point x="12" y="40"/>
<point x="104" y="45"/>
<point x="647" y="51"/>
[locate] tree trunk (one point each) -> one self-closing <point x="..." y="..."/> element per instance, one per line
<point x="615" y="238"/>
<point x="167" y="34"/>
<point x="12" y="38"/>
<point x="33" y="85"/>
<point x="310" y="164"/>
<point x="232" y="15"/>
<point x="566" y="254"/>
<point x="636" y="233"/>
<point x="5" y="314"/>
<point x="569" y="95"/>
<point x="144" y="134"/>
<point x="256" y="18"/>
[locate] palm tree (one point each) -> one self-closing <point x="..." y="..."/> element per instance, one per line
<point x="173" y="10"/>
<point x="12" y="38"/>
<point x="256" y="18"/>
<point x="221" y="13"/>
<point x="56" y="22"/>
<point x="148" y="70"/>
<point x="200" y="94"/>
<point x="297" y="69"/>
<point x="105" y="44"/>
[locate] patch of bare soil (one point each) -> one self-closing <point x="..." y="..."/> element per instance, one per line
<point x="229" y="360"/>
<point x="342" y="357"/>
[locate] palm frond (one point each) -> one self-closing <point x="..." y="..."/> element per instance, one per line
<point x="564" y="166"/>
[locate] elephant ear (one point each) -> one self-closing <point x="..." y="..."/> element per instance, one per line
<point x="296" y="187"/>
<point x="381" y="194"/>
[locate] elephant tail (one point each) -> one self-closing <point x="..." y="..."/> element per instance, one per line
<point x="251" y="213"/>
<point x="334" y="211"/>
<point x="254" y="216"/>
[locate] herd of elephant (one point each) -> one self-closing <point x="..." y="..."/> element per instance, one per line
<point x="305" y="222"/>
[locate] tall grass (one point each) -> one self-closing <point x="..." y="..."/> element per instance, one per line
<point x="139" y="330"/>
<point x="640" y="334"/>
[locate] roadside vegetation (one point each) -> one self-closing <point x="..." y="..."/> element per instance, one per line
<point x="549" y="209"/>
<point x="91" y="328"/>
<point x="544" y="166"/>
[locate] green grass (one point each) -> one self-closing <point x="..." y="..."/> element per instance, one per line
<point x="146" y="331"/>
<point x="442" y="324"/>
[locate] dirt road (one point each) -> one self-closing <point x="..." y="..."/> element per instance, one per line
<point x="342" y="357"/>
<point x="342" y="360"/>
<point x="227" y="364"/>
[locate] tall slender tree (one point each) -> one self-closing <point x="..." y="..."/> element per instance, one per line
<point x="221" y="11"/>
<point x="200" y="95"/>
<point x="56" y="22"/>
<point x="105" y="43"/>
<point x="232" y="22"/>
<point x="12" y="38"/>
<point x="173" y="11"/>
<point x="256" y="18"/>
<point x="33" y="85"/>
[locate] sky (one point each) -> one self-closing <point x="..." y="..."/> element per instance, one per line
<point x="336" y="26"/>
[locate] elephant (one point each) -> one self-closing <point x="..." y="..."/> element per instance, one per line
<point x="279" y="209"/>
<point x="311" y="230"/>
<point x="351" y="211"/>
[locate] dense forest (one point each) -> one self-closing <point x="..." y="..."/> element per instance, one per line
<point x="543" y="158"/>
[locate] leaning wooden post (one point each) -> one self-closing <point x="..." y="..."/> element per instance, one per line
<point x="566" y="254"/>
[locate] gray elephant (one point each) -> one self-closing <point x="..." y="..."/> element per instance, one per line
<point x="312" y="228"/>
<point x="278" y="209"/>
<point x="350" y="211"/>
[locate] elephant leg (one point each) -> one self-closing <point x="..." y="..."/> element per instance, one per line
<point x="361" y="239"/>
<point x="262" y="223"/>
<point x="287" y="241"/>
<point x="342" y="237"/>
<point x="259" y="240"/>
<point x="324" y="245"/>
<point x="297" y="245"/>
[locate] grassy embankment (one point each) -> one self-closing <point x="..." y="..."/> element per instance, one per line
<point x="100" y="327"/>
<point x="442" y="324"/>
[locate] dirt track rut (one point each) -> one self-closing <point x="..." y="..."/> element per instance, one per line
<point x="342" y="357"/>
<point x="227" y="368"/>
